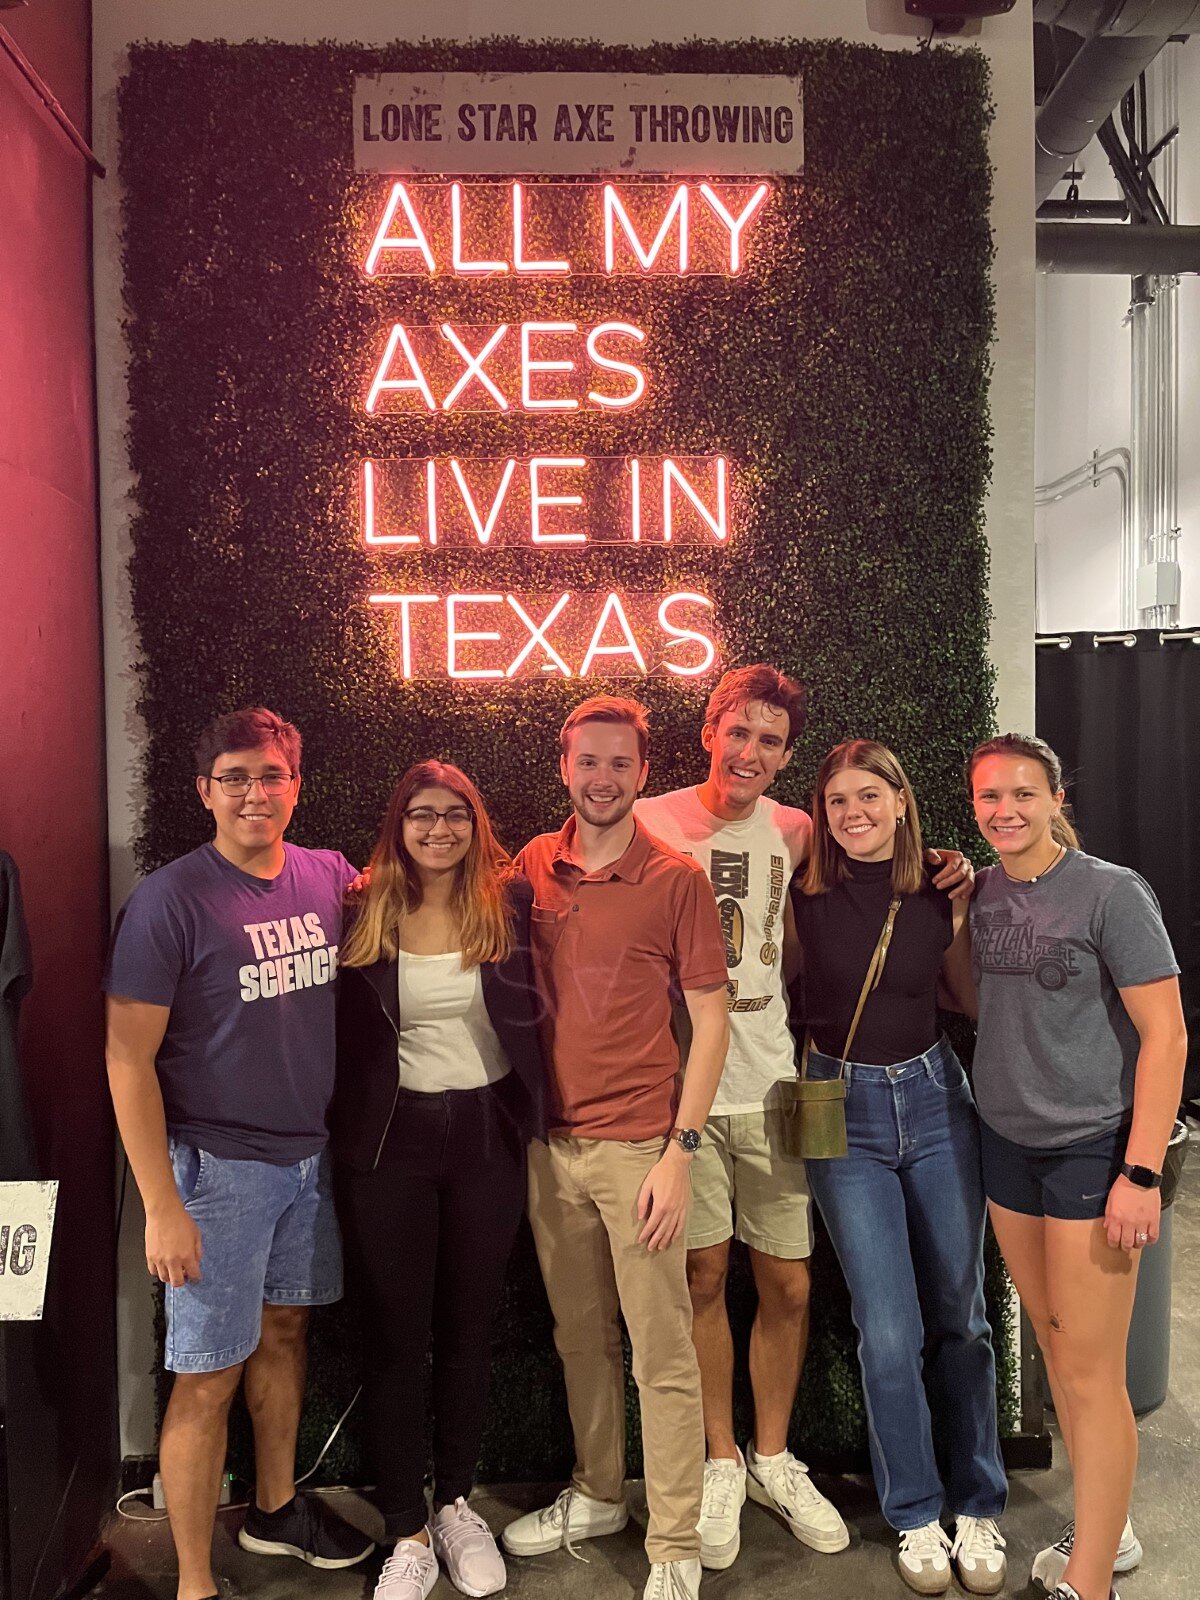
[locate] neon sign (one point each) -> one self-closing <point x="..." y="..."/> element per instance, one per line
<point x="554" y="500"/>
<point x="640" y="228"/>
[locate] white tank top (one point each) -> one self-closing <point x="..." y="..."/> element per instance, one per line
<point x="446" y="1036"/>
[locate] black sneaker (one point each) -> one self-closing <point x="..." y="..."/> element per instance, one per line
<point x="1064" y="1591"/>
<point x="306" y="1529"/>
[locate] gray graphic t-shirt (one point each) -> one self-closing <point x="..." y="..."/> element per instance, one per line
<point x="1056" y="1053"/>
<point x="248" y="967"/>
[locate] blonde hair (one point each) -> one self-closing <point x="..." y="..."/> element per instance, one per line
<point x="477" y="903"/>
<point x="827" y="860"/>
<point x="1062" y="827"/>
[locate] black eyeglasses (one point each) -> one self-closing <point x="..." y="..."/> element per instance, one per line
<point x="236" y="784"/>
<point x="425" y="818"/>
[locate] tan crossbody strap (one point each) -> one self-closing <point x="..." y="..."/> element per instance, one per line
<point x="870" y="982"/>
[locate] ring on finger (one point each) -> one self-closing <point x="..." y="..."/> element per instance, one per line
<point x="1141" y="1238"/>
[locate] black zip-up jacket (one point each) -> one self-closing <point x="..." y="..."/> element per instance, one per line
<point x="368" y="1023"/>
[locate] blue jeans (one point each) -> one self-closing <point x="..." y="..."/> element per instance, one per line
<point x="905" y="1211"/>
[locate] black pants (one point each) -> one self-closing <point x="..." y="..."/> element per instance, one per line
<point x="428" y="1236"/>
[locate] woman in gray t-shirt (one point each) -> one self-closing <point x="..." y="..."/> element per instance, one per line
<point x="1078" y="1075"/>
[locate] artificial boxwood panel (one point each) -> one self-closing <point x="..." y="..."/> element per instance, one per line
<point x="844" y="373"/>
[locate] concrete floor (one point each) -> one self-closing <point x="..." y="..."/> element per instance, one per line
<point x="772" y="1564"/>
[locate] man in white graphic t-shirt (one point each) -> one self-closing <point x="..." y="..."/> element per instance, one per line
<point x="743" y="1184"/>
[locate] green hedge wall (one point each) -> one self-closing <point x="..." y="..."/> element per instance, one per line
<point x="845" y="373"/>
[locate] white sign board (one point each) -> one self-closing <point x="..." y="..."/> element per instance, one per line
<point x="584" y="123"/>
<point x="26" y="1226"/>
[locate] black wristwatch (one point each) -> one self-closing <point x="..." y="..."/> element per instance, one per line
<point x="1144" y="1177"/>
<point x="688" y="1139"/>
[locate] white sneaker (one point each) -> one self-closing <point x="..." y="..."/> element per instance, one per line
<point x="463" y="1543"/>
<point x="782" y="1484"/>
<point x="924" y="1564"/>
<point x="721" y="1513"/>
<point x="409" y="1573"/>
<point x="978" y="1555"/>
<point x="673" y="1580"/>
<point x="1050" y="1564"/>
<point x="572" y="1516"/>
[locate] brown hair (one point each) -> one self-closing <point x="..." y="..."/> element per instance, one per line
<point x="253" y="729"/>
<point x="1062" y="827"/>
<point x="394" y="889"/>
<point x="827" y="860"/>
<point x="608" y="708"/>
<point x="763" y="683"/>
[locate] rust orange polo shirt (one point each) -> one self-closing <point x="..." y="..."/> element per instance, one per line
<point x="608" y="947"/>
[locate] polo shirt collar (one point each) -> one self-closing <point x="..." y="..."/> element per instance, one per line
<point x="628" y="867"/>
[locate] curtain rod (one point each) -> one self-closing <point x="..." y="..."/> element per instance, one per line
<point x="44" y="93"/>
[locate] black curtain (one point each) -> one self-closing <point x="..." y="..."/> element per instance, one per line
<point x="1125" y="719"/>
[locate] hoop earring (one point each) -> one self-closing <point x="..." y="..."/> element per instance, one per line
<point x="900" y="820"/>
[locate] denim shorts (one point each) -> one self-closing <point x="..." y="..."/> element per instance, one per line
<point x="269" y="1235"/>
<point x="1070" y="1182"/>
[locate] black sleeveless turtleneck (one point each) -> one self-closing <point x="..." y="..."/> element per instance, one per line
<point x="838" y="931"/>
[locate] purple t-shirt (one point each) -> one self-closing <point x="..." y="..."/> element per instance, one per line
<point x="247" y="966"/>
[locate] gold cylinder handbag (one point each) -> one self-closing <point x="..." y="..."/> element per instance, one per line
<point x="814" y="1109"/>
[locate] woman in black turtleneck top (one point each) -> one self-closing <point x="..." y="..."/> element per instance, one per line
<point x="905" y="1208"/>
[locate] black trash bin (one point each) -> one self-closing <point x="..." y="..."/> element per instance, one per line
<point x="1148" y="1351"/>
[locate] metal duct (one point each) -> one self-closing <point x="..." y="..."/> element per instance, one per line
<point x="1118" y="18"/>
<point x="1122" y="39"/>
<point x="1082" y="98"/>
<point x="1117" y="247"/>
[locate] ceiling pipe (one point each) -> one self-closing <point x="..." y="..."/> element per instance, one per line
<point x="1117" y="18"/>
<point x="1071" y="115"/>
<point x="1116" y="247"/>
<point x="1122" y="38"/>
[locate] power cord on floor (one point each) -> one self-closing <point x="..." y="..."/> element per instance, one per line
<point x="241" y="1505"/>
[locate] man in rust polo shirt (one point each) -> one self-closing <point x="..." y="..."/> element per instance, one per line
<point x="618" y="918"/>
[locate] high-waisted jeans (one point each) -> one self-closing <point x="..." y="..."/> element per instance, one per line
<point x="428" y="1235"/>
<point x="905" y="1210"/>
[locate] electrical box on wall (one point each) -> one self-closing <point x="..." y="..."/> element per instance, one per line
<point x="1157" y="585"/>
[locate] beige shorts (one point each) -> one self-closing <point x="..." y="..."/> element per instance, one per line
<point x="745" y="1187"/>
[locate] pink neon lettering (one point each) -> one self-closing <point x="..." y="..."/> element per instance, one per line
<point x="528" y="366"/>
<point x="537" y="635"/>
<point x="684" y="635"/>
<point x="616" y="403"/>
<point x="735" y="224"/>
<point x="454" y="637"/>
<point x="431" y="520"/>
<point x="537" y="499"/>
<point x="614" y="212"/>
<point x="416" y="240"/>
<point x="635" y="498"/>
<point x="369" y="535"/>
<point x="671" y="474"/>
<point x="456" y="255"/>
<point x="405" y="602"/>
<point x="483" y="530"/>
<point x="381" y="384"/>
<point x="613" y="608"/>
<point x="519" y="261"/>
<point x="474" y="366"/>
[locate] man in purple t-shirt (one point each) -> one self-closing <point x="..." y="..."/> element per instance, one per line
<point x="220" y="1054"/>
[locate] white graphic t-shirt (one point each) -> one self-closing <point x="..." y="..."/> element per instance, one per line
<point x="749" y="865"/>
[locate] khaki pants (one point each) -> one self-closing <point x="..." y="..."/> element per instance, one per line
<point x="583" y="1209"/>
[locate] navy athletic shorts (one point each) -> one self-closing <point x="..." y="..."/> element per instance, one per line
<point x="1071" y="1181"/>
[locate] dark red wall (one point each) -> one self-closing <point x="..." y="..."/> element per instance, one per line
<point x="60" y="1374"/>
